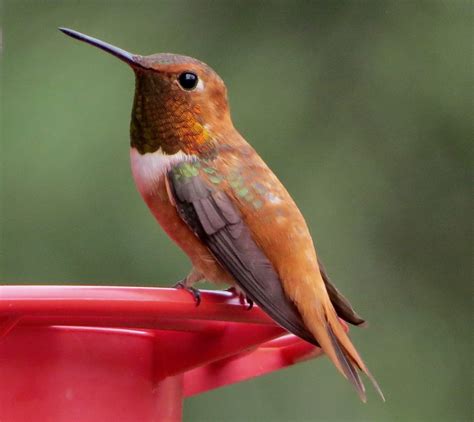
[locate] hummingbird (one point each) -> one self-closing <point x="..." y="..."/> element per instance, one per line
<point x="222" y="205"/>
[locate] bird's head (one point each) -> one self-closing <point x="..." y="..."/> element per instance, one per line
<point x="180" y="103"/>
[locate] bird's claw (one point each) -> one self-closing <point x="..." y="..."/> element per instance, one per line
<point x="195" y="292"/>
<point x="243" y="298"/>
<point x="249" y="302"/>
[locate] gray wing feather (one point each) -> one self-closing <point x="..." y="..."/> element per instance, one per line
<point x="212" y="216"/>
<point x="341" y="304"/>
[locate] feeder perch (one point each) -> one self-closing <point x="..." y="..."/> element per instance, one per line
<point x="95" y="354"/>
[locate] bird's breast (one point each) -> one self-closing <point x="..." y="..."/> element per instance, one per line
<point x="148" y="169"/>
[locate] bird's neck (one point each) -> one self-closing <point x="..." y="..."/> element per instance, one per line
<point x="167" y="124"/>
<point x="150" y="168"/>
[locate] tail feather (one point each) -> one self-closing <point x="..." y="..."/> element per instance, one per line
<point x="346" y="349"/>
<point x="330" y="334"/>
<point x="349" y="370"/>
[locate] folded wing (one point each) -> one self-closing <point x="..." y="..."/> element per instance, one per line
<point x="212" y="216"/>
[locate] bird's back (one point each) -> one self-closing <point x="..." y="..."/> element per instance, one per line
<point x="279" y="229"/>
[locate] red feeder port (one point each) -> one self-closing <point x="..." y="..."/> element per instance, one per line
<point x="79" y="353"/>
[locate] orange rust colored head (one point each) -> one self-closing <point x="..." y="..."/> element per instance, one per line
<point x="180" y="103"/>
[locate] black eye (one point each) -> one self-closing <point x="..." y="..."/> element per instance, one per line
<point x="188" y="80"/>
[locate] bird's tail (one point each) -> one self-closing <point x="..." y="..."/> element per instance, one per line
<point x="330" y="334"/>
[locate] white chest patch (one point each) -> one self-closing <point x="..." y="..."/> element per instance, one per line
<point x="149" y="168"/>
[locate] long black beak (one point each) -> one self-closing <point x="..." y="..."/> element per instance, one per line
<point x="131" y="59"/>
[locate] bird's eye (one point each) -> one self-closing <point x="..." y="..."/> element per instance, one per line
<point x="188" y="80"/>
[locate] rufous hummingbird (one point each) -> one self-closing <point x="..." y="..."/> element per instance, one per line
<point x="217" y="199"/>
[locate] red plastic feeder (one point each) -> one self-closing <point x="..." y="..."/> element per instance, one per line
<point x="128" y="353"/>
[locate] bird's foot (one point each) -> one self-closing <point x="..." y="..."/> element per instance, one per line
<point x="187" y="282"/>
<point x="195" y="292"/>
<point x="243" y="298"/>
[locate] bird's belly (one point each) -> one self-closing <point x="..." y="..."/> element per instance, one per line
<point x="149" y="175"/>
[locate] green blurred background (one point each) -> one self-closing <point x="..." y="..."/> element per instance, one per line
<point x="363" y="109"/>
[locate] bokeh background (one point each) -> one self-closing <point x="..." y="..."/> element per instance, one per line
<point x="362" y="108"/>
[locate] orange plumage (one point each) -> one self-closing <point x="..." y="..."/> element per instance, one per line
<point x="217" y="199"/>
